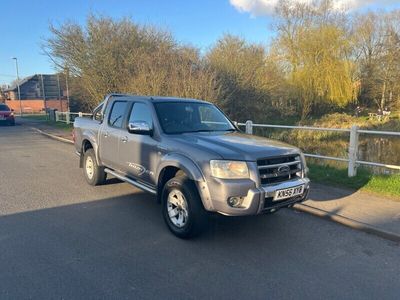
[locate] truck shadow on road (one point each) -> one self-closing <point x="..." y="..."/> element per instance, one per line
<point x="95" y="247"/>
<point x="137" y="217"/>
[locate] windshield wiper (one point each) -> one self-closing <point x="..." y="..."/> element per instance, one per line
<point x="210" y="130"/>
<point x="202" y="130"/>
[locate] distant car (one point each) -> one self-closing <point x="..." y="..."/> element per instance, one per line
<point x="6" y="115"/>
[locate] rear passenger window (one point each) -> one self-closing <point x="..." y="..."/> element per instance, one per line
<point x="117" y="114"/>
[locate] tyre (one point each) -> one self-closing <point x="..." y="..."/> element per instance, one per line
<point x="94" y="174"/>
<point x="182" y="208"/>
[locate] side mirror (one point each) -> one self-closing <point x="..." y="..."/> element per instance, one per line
<point x="140" y="127"/>
<point x="98" y="116"/>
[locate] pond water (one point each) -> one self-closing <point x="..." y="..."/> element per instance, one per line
<point x="372" y="148"/>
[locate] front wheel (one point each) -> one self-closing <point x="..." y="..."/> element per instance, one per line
<point x="182" y="209"/>
<point x="94" y="174"/>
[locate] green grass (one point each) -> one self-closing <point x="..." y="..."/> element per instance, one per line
<point x="36" y="117"/>
<point x="289" y="120"/>
<point x="61" y="125"/>
<point x="388" y="185"/>
<point x="44" y="118"/>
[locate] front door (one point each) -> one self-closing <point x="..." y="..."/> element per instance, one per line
<point x="138" y="152"/>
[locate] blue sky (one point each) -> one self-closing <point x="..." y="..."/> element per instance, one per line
<point x="24" y="24"/>
<point x="195" y="22"/>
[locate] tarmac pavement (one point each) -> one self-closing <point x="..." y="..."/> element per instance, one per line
<point x="61" y="238"/>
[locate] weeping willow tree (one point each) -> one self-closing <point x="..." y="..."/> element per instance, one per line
<point x="324" y="74"/>
<point x="316" y="50"/>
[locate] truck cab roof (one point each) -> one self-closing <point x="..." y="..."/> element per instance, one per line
<point x="175" y="99"/>
<point x="155" y="99"/>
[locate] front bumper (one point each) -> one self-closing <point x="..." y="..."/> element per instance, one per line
<point x="260" y="200"/>
<point x="7" y="120"/>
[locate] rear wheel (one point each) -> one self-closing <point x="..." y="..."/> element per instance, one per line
<point x="182" y="209"/>
<point x="94" y="174"/>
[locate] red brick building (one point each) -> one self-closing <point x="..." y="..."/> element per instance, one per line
<point x="37" y="92"/>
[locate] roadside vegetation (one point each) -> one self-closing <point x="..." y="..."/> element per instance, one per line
<point x="387" y="185"/>
<point x="45" y="118"/>
<point x="321" y="61"/>
<point x="60" y="125"/>
<point x="37" y="117"/>
<point x="323" y="68"/>
<point x="334" y="120"/>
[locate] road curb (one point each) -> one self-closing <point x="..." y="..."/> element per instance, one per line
<point x="52" y="136"/>
<point x="367" y="228"/>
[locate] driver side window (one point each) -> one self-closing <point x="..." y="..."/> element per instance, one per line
<point x="117" y="114"/>
<point x="141" y="113"/>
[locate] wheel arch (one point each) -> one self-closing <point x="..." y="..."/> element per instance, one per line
<point x="171" y="165"/>
<point x="88" y="143"/>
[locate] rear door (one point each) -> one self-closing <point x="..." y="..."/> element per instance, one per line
<point x="138" y="152"/>
<point x="111" y="131"/>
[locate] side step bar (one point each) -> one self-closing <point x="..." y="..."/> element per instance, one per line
<point x="131" y="181"/>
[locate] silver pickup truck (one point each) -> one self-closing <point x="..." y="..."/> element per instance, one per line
<point x="191" y="156"/>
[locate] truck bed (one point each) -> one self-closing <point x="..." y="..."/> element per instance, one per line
<point x="85" y="126"/>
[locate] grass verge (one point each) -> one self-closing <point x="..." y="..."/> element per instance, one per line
<point x="61" y="125"/>
<point x="41" y="117"/>
<point x="388" y="185"/>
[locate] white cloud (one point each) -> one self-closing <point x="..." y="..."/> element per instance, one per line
<point x="255" y="7"/>
<point x="267" y="7"/>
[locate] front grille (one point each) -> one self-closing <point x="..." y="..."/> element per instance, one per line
<point x="279" y="169"/>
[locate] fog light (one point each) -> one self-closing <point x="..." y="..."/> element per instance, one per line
<point x="235" y="201"/>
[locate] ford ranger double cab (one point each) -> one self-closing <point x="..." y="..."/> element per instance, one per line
<point x="191" y="156"/>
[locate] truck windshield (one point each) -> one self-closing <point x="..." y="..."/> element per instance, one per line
<point x="182" y="117"/>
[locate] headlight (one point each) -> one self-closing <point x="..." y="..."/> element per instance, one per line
<point x="302" y="158"/>
<point x="226" y="169"/>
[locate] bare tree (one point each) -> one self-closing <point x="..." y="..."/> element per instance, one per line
<point x="108" y="56"/>
<point x="243" y="77"/>
<point x="377" y="39"/>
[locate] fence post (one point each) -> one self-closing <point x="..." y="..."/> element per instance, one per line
<point x="57" y="116"/>
<point x="67" y="117"/>
<point x="249" y="127"/>
<point x="353" y="150"/>
<point x="80" y="114"/>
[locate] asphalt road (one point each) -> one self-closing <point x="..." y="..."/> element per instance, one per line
<point x="63" y="239"/>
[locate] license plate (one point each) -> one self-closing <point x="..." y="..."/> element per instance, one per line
<point x="288" y="193"/>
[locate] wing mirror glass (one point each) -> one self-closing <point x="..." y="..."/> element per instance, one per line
<point x="98" y="116"/>
<point x="140" y="127"/>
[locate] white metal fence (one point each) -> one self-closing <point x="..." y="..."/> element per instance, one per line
<point x="69" y="117"/>
<point x="354" y="132"/>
